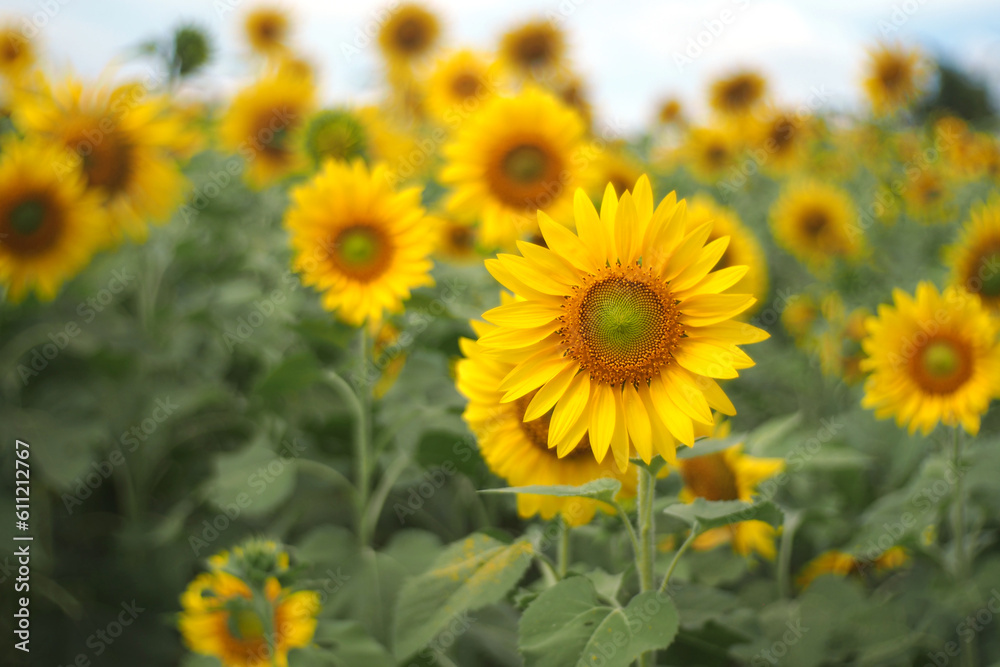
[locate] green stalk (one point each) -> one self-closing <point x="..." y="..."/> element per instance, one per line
<point x="962" y="564"/>
<point x="644" y="559"/>
<point x="362" y="439"/>
<point x="695" y="531"/>
<point x="563" y="551"/>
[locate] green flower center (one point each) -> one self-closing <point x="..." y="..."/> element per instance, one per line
<point x="361" y="251"/>
<point x="27" y="217"/>
<point x="942" y="366"/>
<point x="620" y="319"/>
<point x="940" y="359"/>
<point x="247" y="624"/>
<point x="525" y="163"/>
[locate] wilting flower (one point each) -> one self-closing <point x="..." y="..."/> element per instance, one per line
<point x="975" y="259"/>
<point x="933" y="359"/>
<point x="621" y="328"/>
<point x="817" y="223"/>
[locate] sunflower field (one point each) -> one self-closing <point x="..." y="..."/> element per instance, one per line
<point x="458" y="376"/>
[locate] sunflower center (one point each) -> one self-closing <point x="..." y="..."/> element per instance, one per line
<point x="814" y="221"/>
<point x="361" y="252"/>
<point x="740" y="94"/>
<point x="11" y="49"/>
<point x="941" y="366"/>
<point x="525" y="163"/>
<point x="461" y="237"/>
<point x="411" y="35"/>
<point x="27" y="217"/>
<point x="710" y="477"/>
<point x="466" y="85"/>
<point x="108" y="161"/>
<point x="537" y="430"/>
<point x="892" y="73"/>
<point x="269" y="30"/>
<point x="621" y="325"/>
<point x="535" y="49"/>
<point x="716" y="155"/>
<point x="781" y="134"/>
<point x="988" y="265"/>
<point x="30" y="226"/>
<point x="247" y="624"/>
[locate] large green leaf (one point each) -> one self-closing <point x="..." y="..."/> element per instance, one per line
<point x="472" y="573"/>
<point x="716" y="513"/>
<point x="600" y="489"/>
<point x="568" y="625"/>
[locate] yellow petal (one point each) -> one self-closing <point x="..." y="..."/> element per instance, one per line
<point x="637" y="420"/>
<point x="548" y="395"/>
<point x="567" y="244"/>
<point x="602" y="420"/>
<point x="524" y="314"/>
<point x="569" y="408"/>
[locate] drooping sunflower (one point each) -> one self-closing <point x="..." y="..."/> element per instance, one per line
<point x="710" y="151"/>
<point x="266" y="29"/>
<point x="17" y="54"/>
<point x="409" y="34"/>
<point x="894" y="77"/>
<point x="735" y="96"/>
<point x="975" y="259"/>
<point x="730" y="475"/>
<point x="622" y="330"/>
<point x="935" y="358"/>
<point x="262" y="125"/>
<point x="358" y="241"/>
<point x="126" y="141"/>
<point x="743" y="250"/>
<point x="519" y="450"/>
<point x="50" y="224"/>
<point x="460" y="84"/>
<point x="817" y="223"/>
<point x="515" y="156"/>
<point x="842" y="564"/>
<point x="240" y="613"/>
<point x="533" y="48"/>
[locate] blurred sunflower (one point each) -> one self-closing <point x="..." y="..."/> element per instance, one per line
<point x="894" y="77"/>
<point x="799" y="315"/>
<point x="17" y="54"/>
<point x="785" y="138"/>
<point x="743" y="250"/>
<point x="670" y="111"/>
<point x="533" y="48"/>
<point x="975" y="259"/>
<point x="927" y="197"/>
<point x="335" y="134"/>
<point x="616" y="166"/>
<point x="240" y="613"/>
<point x="50" y="224"/>
<point x="409" y="34"/>
<point x="266" y="29"/>
<point x="710" y="151"/>
<point x="623" y="328"/>
<point x="572" y="90"/>
<point x="842" y="564"/>
<point x="817" y="223"/>
<point x="459" y="84"/>
<point x="737" y="95"/>
<point x="457" y="240"/>
<point x="519" y="450"/>
<point x="391" y="142"/>
<point x="126" y="140"/>
<point x="515" y="156"/>
<point x="932" y="359"/>
<point x="358" y="241"/>
<point x="730" y="475"/>
<point x="261" y="125"/>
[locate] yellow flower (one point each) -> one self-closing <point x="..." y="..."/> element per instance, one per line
<point x="261" y="125"/>
<point x="932" y="359"/>
<point x="744" y="249"/>
<point x="457" y="240"/>
<point x="927" y="197"/>
<point x="817" y="223"/>
<point x="710" y="151"/>
<point x="737" y="95"/>
<point x="975" y="259"/>
<point x="409" y="34"/>
<point x="785" y="138"/>
<point x="623" y="329"/>
<point x="50" y="224"/>
<point x="894" y="78"/>
<point x="17" y="54"/>
<point x="519" y="451"/>
<point x="799" y="316"/>
<point x="358" y="241"/>
<point x="730" y="475"/>
<point x="670" y="111"/>
<point x="460" y="83"/>
<point x="126" y="140"/>
<point x="393" y="145"/>
<point x="616" y="166"/>
<point x="842" y="564"/>
<point x="533" y="49"/>
<point x="516" y="156"/>
<point x="389" y="357"/>
<point x="266" y="29"/>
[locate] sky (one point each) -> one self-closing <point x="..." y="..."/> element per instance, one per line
<point x="631" y="53"/>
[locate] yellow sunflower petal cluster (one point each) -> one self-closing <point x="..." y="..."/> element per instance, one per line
<point x="241" y="613"/>
<point x="842" y="564"/>
<point x="266" y="29"/>
<point x="894" y="77"/>
<point x="358" y="241"/>
<point x="933" y="358"/>
<point x="410" y="33"/>
<point x="737" y="95"/>
<point x="513" y="157"/>
<point x="460" y="84"/>
<point x="817" y="223"/>
<point x="17" y="53"/>
<point x="975" y="259"/>
<point x="533" y="49"/>
<point x="621" y="328"/>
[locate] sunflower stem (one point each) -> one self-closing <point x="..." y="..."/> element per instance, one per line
<point x="647" y="530"/>
<point x="362" y="437"/>
<point x="563" y="552"/>
<point x="695" y="532"/>
<point x="962" y="565"/>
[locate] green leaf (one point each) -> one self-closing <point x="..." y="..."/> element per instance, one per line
<point x="765" y="438"/>
<point x="604" y="490"/>
<point x="344" y="644"/>
<point x="710" y="446"/>
<point x="256" y="479"/>
<point x="472" y="573"/>
<point x="568" y="625"/>
<point x="293" y="374"/>
<point x="654" y="466"/>
<point x="715" y="514"/>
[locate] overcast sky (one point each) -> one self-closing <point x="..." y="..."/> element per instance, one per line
<point x="632" y="53"/>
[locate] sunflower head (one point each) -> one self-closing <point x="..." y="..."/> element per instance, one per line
<point x="817" y="223"/>
<point x="267" y="29"/>
<point x="192" y="50"/>
<point x="670" y="111"/>
<point x="975" y="259"/>
<point x="785" y="138"/>
<point x="533" y="48"/>
<point x="711" y="151"/>
<point x="895" y="76"/>
<point x="738" y="94"/>
<point x="335" y="134"/>
<point x="17" y="54"/>
<point x="932" y="359"/>
<point x="457" y="240"/>
<point x="459" y="84"/>
<point x="410" y="33"/>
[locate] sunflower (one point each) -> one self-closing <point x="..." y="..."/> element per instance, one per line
<point x="240" y="613"/>
<point x="126" y="141"/>
<point x="361" y="243"/>
<point x="393" y="144"/>
<point x="457" y="240"/>
<point x="50" y="224"/>
<point x="743" y="250"/>
<point x="975" y="259"/>
<point x="533" y="48"/>
<point x="266" y="29"/>
<point x="459" y="84"/>
<point x="409" y="34"/>
<point x="730" y="475"/>
<point x="518" y="450"/>
<point x="670" y="111"/>
<point x="515" y="156"/>
<point x="799" y="315"/>
<point x="932" y="359"/>
<point x="616" y="166"/>
<point x="623" y="328"/>
<point x="335" y="134"/>
<point x="927" y="197"/>
<point x="784" y="136"/>
<point x="17" y="54"/>
<point x="572" y="90"/>
<point x="842" y="564"/>
<point x="816" y="222"/>
<point x="894" y="77"/>
<point x="737" y="95"/>
<point x="710" y="151"/>
<point x="261" y="125"/>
